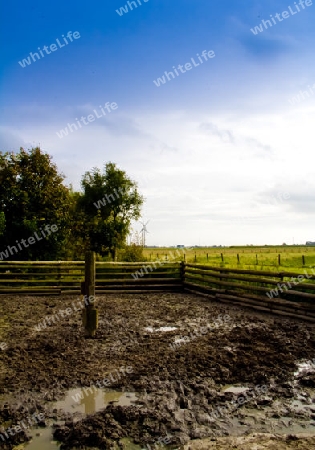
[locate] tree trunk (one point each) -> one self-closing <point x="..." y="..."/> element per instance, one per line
<point x="113" y="254"/>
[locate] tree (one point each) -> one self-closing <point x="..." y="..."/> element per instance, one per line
<point x="32" y="197"/>
<point x="2" y="223"/>
<point x="110" y="201"/>
<point x="76" y="241"/>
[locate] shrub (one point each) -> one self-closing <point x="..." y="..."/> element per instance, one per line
<point x="132" y="253"/>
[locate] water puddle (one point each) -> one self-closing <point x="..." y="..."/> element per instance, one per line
<point x="93" y="399"/>
<point x="42" y="439"/>
<point x="129" y="445"/>
<point x="163" y="329"/>
<point x="300" y="405"/>
<point x="265" y="422"/>
<point x="234" y="389"/>
<point x="83" y="401"/>
<point x="180" y="340"/>
<point x="196" y="324"/>
<point x="305" y="366"/>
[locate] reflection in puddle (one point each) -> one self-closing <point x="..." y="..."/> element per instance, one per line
<point x="89" y="402"/>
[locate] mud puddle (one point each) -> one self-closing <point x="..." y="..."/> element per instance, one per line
<point x="84" y="402"/>
<point x="45" y="441"/>
<point x="305" y="366"/>
<point x="92" y="400"/>
<point x="160" y="329"/>
<point x="129" y="445"/>
<point x="266" y="422"/>
<point x="234" y="389"/>
<point x="42" y="439"/>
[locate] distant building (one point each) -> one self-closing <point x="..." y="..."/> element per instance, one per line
<point x="180" y="246"/>
<point x="310" y="243"/>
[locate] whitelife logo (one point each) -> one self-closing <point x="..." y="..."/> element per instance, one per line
<point x="302" y="95"/>
<point x="107" y="198"/>
<point x="35" y="419"/>
<point x="188" y="66"/>
<point x="65" y="312"/>
<point x="131" y="5"/>
<point x="90" y="118"/>
<point x="31" y="240"/>
<point x="287" y="285"/>
<point x="53" y="47"/>
<point x="284" y="14"/>
<point x="100" y="384"/>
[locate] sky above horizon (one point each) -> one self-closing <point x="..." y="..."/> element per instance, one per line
<point x="222" y="149"/>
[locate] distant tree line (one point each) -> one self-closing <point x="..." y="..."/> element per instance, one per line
<point x="33" y="196"/>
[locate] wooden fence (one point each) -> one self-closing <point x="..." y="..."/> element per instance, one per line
<point x="291" y="293"/>
<point x="288" y="291"/>
<point x="65" y="277"/>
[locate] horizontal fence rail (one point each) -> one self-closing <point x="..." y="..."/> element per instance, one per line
<point x="56" y="277"/>
<point x="291" y="293"/>
<point x="288" y="291"/>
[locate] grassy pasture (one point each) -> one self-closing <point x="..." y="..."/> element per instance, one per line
<point x="294" y="258"/>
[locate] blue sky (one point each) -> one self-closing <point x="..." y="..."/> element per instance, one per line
<point x="222" y="153"/>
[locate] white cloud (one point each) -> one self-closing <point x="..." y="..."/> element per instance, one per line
<point x="208" y="177"/>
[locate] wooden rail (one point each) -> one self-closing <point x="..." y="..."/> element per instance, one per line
<point x="289" y="292"/>
<point x="47" y="277"/>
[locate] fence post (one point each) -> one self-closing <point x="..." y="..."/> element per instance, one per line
<point x="222" y="259"/>
<point x="207" y="257"/>
<point x="182" y="272"/>
<point x="90" y="313"/>
<point x="279" y="260"/>
<point x="195" y="257"/>
<point x="303" y="260"/>
<point x="238" y="258"/>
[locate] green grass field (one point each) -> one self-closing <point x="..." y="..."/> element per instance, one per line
<point x="257" y="258"/>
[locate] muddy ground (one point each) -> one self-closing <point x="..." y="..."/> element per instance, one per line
<point x="181" y="396"/>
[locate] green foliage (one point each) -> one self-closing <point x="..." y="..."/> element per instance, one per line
<point x="32" y="195"/>
<point x="110" y="201"/>
<point x="2" y="223"/>
<point x="75" y="242"/>
<point x="132" y="253"/>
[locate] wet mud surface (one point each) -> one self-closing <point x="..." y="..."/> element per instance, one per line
<point x="181" y="375"/>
